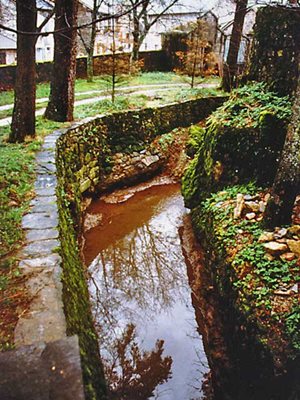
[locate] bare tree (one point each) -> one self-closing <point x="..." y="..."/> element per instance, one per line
<point x="61" y="101"/>
<point x="23" y="118"/>
<point x="142" y="22"/>
<point x="230" y="67"/>
<point x="88" y="39"/>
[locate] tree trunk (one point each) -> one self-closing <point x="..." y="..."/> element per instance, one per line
<point x="230" y="67"/>
<point x="61" y="100"/>
<point x="90" y="53"/>
<point x="287" y="181"/>
<point x="90" y="66"/>
<point x="23" y="118"/>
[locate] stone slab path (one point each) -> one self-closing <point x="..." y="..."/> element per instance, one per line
<point x="40" y="261"/>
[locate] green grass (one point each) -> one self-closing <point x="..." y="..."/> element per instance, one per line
<point x="100" y="83"/>
<point x="16" y="183"/>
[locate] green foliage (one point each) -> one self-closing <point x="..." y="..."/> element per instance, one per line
<point x="242" y="142"/>
<point x="248" y="104"/>
<point x="241" y="262"/>
<point x="195" y="93"/>
<point x="292" y="322"/>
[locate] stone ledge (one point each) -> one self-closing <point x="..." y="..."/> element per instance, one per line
<point x="43" y="371"/>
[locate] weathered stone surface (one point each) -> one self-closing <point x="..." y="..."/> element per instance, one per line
<point x="288" y="256"/>
<point x="91" y="220"/>
<point x="43" y="200"/>
<point x="47" y="208"/>
<point x="45" y="181"/>
<point x="240" y="202"/>
<point x="40" y="221"/>
<point x="45" y="192"/>
<point x="42" y="247"/>
<point x="45" y="168"/>
<point x="266" y="237"/>
<point x="262" y="206"/>
<point x="294" y="246"/>
<point x="51" y="260"/>
<point x="44" y="320"/>
<point x="42" y="372"/>
<point x="252" y="206"/>
<point x="43" y="156"/>
<point x="294" y="230"/>
<point x="250" y="216"/>
<point x="275" y="248"/>
<point x="149" y="160"/>
<point x="280" y="233"/>
<point x="41" y="234"/>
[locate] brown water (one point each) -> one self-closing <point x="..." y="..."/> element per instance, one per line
<point x="138" y="276"/>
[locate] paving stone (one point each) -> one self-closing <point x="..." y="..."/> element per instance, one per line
<point x="43" y="200"/>
<point x="41" y="234"/>
<point x="49" y="145"/>
<point x="42" y="247"/>
<point x="44" y="208"/>
<point x="40" y="221"/>
<point x="45" y="192"/>
<point x="46" y="168"/>
<point x="42" y="372"/>
<point x="43" y="156"/>
<point x="45" y="181"/>
<point x="51" y="261"/>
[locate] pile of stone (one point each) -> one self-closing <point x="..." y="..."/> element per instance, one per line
<point x="250" y="207"/>
<point x="283" y="243"/>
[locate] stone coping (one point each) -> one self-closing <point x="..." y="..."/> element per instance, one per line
<point x="44" y="321"/>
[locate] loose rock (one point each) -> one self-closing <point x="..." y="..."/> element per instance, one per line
<point x="275" y="248"/>
<point x="294" y="246"/>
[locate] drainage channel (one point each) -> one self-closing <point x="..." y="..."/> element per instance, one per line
<point x="141" y="297"/>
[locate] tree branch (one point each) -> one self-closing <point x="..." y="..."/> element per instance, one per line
<point x="76" y="27"/>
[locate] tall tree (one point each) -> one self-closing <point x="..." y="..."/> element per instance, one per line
<point x="61" y="101"/>
<point x="23" y="119"/>
<point x="230" y="67"/>
<point x="142" y="22"/>
<point x="88" y="39"/>
<point x="287" y="181"/>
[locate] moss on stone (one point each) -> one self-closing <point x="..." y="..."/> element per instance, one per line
<point x="242" y="141"/>
<point x="247" y="279"/>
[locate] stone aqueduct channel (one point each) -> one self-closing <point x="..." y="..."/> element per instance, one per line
<point x="57" y="354"/>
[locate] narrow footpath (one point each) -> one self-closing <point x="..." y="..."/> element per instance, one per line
<point x="127" y="89"/>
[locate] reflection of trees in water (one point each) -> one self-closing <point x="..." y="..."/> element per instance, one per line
<point x="131" y="373"/>
<point x="138" y="276"/>
<point x="131" y="281"/>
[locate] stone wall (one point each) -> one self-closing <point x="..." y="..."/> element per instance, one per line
<point x="152" y="61"/>
<point x="276" y="48"/>
<point x="83" y="160"/>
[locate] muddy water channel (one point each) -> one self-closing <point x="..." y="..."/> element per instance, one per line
<point x="142" y="300"/>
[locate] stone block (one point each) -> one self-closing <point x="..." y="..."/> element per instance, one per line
<point x="44" y="371"/>
<point x="40" y="221"/>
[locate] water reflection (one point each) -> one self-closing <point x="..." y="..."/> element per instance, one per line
<point x="138" y="279"/>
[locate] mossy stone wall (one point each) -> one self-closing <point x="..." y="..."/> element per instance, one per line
<point x="275" y="49"/>
<point x="82" y="158"/>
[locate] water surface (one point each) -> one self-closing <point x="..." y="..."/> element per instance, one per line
<point x="138" y="276"/>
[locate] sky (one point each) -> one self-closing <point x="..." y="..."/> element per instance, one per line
<point x="224" y="9"/>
